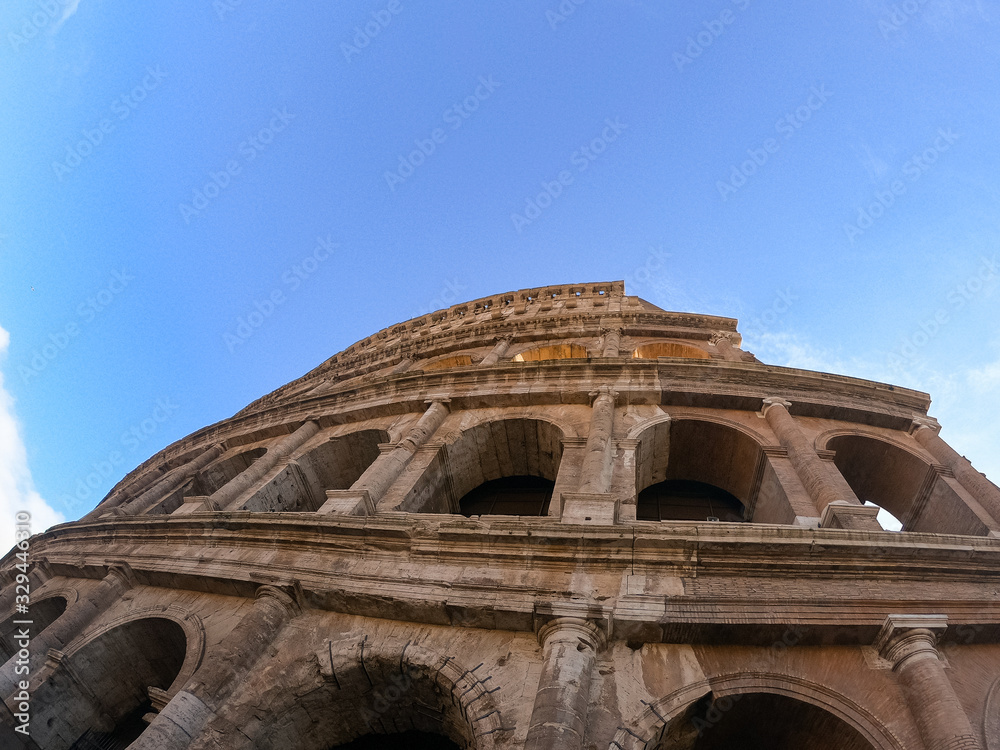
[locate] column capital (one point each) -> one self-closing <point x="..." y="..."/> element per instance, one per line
<point x="920" y="423"/>
<point x="445" y="402"/>
<point x="280" y="593"/>
<point x="605" y="330"/>
<point x="907" y="637"/>
<point x="774" y="401"/>
<point x="503" y="338"/>
<point x="578" y="629"/>
<point x="604" y="390"/>
<point x="121" y="572"/>
<point x="728" y="336"/>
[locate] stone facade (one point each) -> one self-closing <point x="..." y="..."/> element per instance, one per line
<point x="303" y="577"/>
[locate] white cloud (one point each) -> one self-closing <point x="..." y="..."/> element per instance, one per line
<point x="17" y="490"/>
<point x="986" y="379"/>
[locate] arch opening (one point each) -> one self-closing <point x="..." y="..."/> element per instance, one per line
<point x="106" y="692"/>
<point x="458" y="360"/>
<point x="905" y="485"/>
<point x="694" y="469"/>
<point x="42" y="614"/>
<point x="333" y="465"/>
<point x="758" y="721"/>
<point x="686" y="500"/>
<point x="385" y="701"/>
<point x="669" y="349"/>
<point x="214" y="476"/>
<point x="556" y="351"/>
<point x="502" y="450"/>
<point x="509" y="496"/>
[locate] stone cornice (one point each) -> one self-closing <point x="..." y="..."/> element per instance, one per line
<point x="355" y="553"/>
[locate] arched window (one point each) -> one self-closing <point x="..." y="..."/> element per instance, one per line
<point x="104" y="693"/>
<point x="333" y="465"/>
<point x="43" y="613"/>
<point x="557" y="351"/>
<point x="509" y="496"/>
<point x="759" y="721"/>
<point x="669" y="349"/>
<point x="459" y="360"/>
<point x="685" y="500"/>
<point x="905" y="485"/>
<point x="509" y="458"/>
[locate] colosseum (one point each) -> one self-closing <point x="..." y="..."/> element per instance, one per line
<point x="555" y="519"/>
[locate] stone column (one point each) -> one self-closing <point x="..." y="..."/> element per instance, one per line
<point x="223" y="669"/>
<point x="231" y="493"/>
<point x="69" y="624"/>
<point x="925" y="431"/>
<point x="908" y="643"/>
<point x="815" y="475"/>
<point x="498" y="351"/>
<point x="723" y="342"/>
<point x="597" y="457"/>
<point x="559" y="715"/>
<point x="612" y="342"/>
<point x="160" y="489"/>
<point x="388" y="466"/>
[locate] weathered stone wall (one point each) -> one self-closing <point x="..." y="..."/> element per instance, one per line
<point x="301" y="575"/>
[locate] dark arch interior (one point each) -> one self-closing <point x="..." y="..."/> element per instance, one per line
<point x="509" y="496"/>
<point x="402" y="741"/>
<point x="687" y="500"/>
<point x="101" y="692"/>
<point x="759" y="721"/>
<point x="42" y="614"/>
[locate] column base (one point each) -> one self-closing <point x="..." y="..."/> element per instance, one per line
<point x="590" y="508"/>
<point x="347" y="503"/>
<point x="840" y="515"/>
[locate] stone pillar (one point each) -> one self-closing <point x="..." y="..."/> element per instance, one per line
<point x="223" y="669"/>
<point x="160" y="489"/>
<point x="925" y="431"/>
<point x="559" y="715"/>
<point x="231" y="493"/>
<point x="388" y="466"/>
<point x="723" y="342"/>
<point x="597" y="457"/>
<point x="612" y="342"/>
<point x="502" y="345"/>
<point x="908" y="643"/>
<point x="815" y="475"/>
<point x="69" y="624"/>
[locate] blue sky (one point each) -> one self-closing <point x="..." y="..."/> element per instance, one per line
<point x="826" y="174"/>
